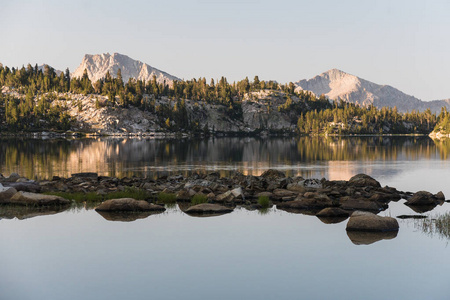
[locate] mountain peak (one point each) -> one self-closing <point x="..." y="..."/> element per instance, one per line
<point x="97" y="65"/>
<point x="336" y="84"/>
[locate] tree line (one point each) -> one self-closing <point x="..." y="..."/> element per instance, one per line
<point x="310" y="114"/>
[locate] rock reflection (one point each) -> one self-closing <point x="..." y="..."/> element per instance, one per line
<point x="422" y="208"/>
<point x="332" y="220"/>
<point x="126" y="216"/>
<point x="308" y="212"/>
<point x="25" y="212"/>
<point x="367" y="238"/>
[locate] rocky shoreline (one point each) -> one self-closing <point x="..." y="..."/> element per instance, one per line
<point x="359" y="198"/>
<point x="361" y="192"/>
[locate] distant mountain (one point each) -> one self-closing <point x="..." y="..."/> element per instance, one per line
<point x="42" y="67"/>
<point x="99" y="64"/>
<point x="336" y="84"/>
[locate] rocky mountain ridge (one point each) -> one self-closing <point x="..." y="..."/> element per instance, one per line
<point x="98" y="65"/>
<point x="336" y="84"/>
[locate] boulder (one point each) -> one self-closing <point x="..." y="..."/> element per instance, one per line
<point x="29" y="186"/>
<point x="13" y="177"/>
<point x="238" y="192"/>
<point x="255" y="183"/>
<point x="296" y="187"/>
<point x="366" y="221"/>
<point x="225" y="197"/>
<point x="26" y="198"/>
<point x="185" y="194"/>
<point x="6" y="193"/>
<point x="351" y="203"/>
<point x="363" y="180"/>
<point x="208" y="208"/>
<point x="333" y="212"/>
<point x="440" y="196"/>
<point x="422" y="198"/>
<point x="313" y="201"/>
<point x="273" y="174"/>
<point x="128" y="204"/>
<point x="284" y="194"/>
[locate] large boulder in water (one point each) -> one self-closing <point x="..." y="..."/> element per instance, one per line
<point x="333" y="212"/>
<point x="423" y="198"/>
<point x="128" y="204"/>
<point x="26" y="198"/>
<point x="366" y="221"/>
<point x="363" y="180"/>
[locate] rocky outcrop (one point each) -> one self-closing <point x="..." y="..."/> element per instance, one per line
<point x="128" y="204"/>
<point x="366" y="221"/>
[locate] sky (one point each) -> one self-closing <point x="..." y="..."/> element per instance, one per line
<point x="401" y="43"/>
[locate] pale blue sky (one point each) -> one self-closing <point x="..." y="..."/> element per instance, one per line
<point x="401" y="43"/>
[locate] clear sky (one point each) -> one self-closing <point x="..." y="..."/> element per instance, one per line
<point x="403" y="43"/>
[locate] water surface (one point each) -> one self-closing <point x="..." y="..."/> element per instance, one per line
<point x="78" y="254"/>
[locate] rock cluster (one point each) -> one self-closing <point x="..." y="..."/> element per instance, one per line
<point x="331" y="201"/>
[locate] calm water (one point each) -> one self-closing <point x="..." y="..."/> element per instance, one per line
<point x="78" y="254"/>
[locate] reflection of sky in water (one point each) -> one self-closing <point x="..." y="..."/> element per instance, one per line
<point x="242" y="255"/>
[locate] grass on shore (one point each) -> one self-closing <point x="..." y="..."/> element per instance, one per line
<point x="198" y="199"/>
<point x="129" y="192"/>
<point x="167" y="198"/>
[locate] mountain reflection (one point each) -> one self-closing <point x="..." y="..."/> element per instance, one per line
<point x="120" y="157"/>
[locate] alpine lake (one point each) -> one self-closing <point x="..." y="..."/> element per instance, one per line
<point x="246" y="254"/>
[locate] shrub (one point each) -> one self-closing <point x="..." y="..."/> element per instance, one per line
<point x="264" y="201"/>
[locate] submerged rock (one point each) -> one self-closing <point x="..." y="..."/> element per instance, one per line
<point x="366" y="221"/>
<point x="128" y="204"/>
